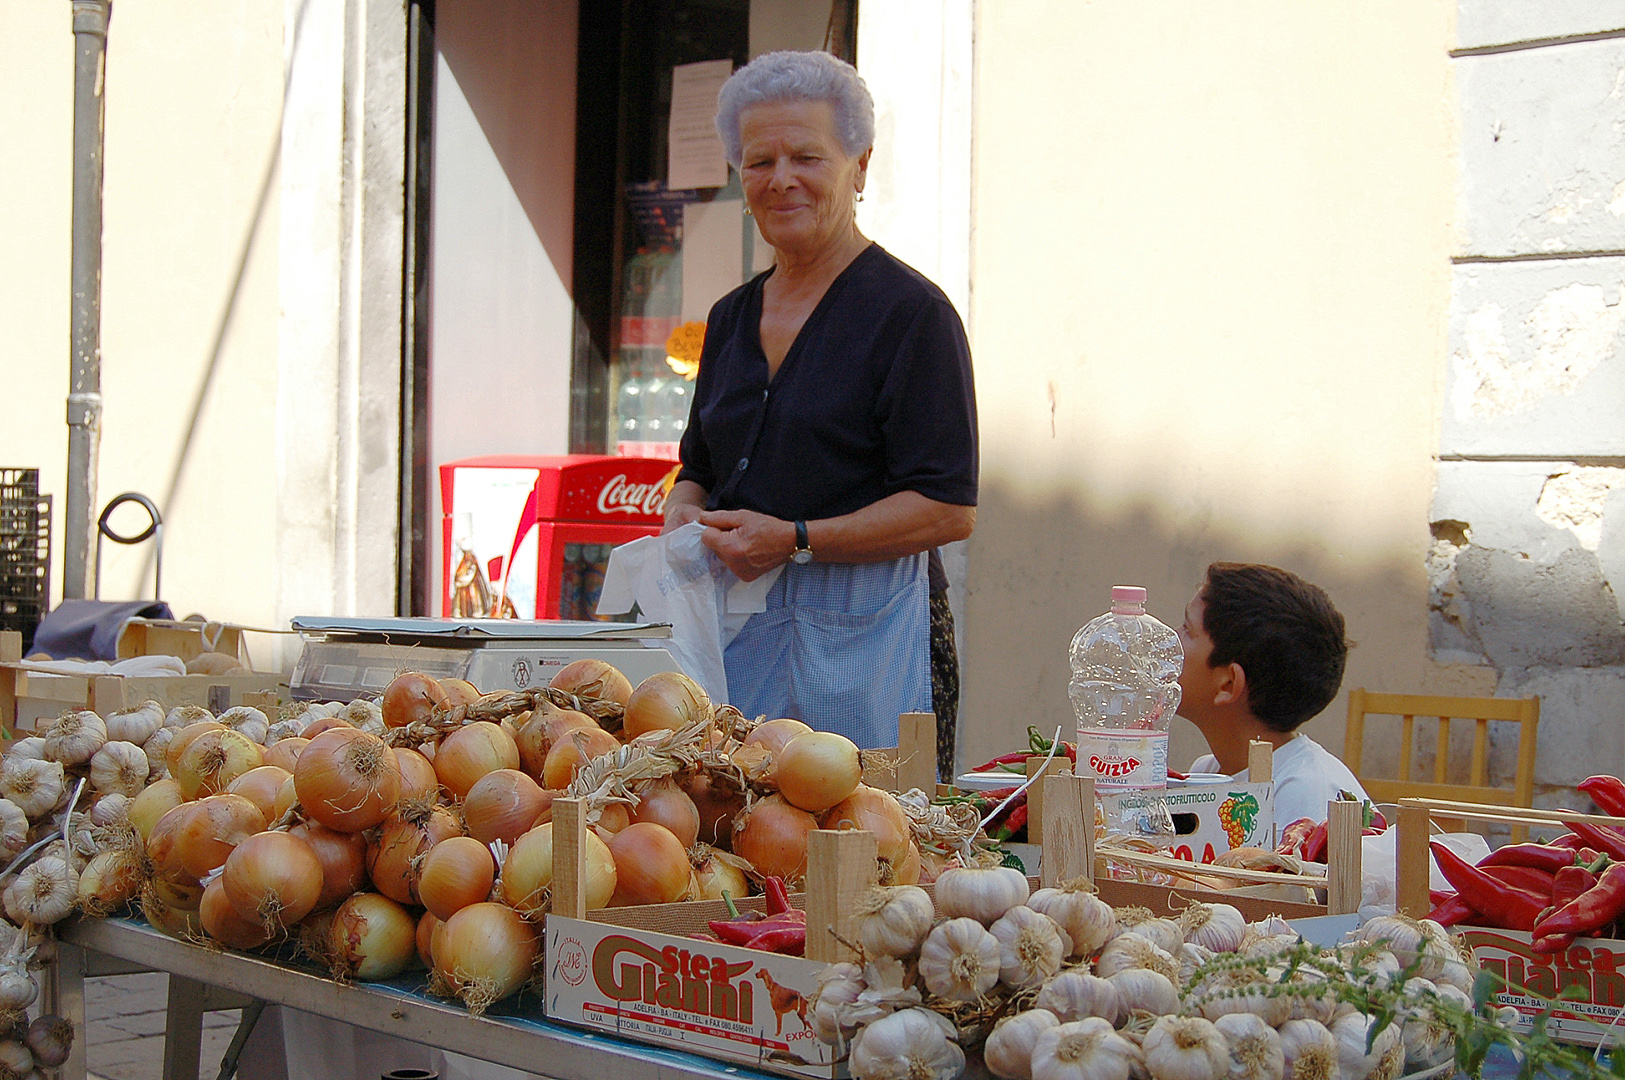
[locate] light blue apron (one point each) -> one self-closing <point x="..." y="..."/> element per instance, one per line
<point x="842" y="646"/>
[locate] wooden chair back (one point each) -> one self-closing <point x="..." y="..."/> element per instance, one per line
<point x="1525" y="712"/>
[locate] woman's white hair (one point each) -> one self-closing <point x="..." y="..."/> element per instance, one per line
<point x="798" y="76"/>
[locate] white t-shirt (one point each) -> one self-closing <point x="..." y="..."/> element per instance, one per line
<point x="1307" y="777"/>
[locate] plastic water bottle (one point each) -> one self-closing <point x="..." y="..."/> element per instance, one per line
<point x="1125" y="691"/>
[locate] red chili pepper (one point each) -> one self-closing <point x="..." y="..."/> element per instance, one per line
<point x="1591" y="910"/>
<point x="736" y="931"/>
<point x="1502" y="905"/>
<point x="790" y="940"/>
<point x="1527" y="878"/>
<point x="1539" y="856"/>
<point x="778" y="899"/>
<point x="1014" y="823"/>
<point x="1609" y="841"/>
<point x="1314" y="845"/>
<point x="1608" y="792"/>
<point x="1568" y="840"/>
<point x="1019" y="757"/>
<point x="1571" y="883"/>
<point x="1452" y="910"/>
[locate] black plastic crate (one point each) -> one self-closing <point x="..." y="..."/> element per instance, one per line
<point x="25" y="552"/>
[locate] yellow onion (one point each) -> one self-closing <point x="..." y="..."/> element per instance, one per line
<point x="664" y="803"/>
<point x="412" y="697"/>
<point x="459" y="692"/>
<point x="183" y="895"/>
<point x="417" y="774"/>
<point x="595" y="679"/>
<point x="876" y="811"/>
<point x="213" y="760"/>
<point x="772" y="836"/>
<point x="772" y="735"/>
<point x="651" y="866"/>
<point x="472" y="751"/>
<point x="407" y="834"/>
<point x="527" y="873"/>
<point x="456" y="872"/>
<point x="343" y="857"/>
<point x="574" y="749"/>
<point x="225" y="924"/>
<point x="261" y="787"/>
<point x="284" y="753"/>
<point x="425" y="938"/>
<point x="371" y="938"/>
<point x="155" y="800"/>
<point x="717" y="805"/>
<point x="544" y="727"/>
<point x="716" y="872"/>
<point x="286" y="798"/>
<point x="484" y="953"/>
<point x="197" y="837"/>
<point x="504" y="805"/>
<point x="178" y="921"/>
<point x="183" y="738"/>
<point x="111" y="880"/>
<point x="273" y="878"/>
<point x="906" y="872"/>
<point x="347" y="779"/>
<point x="315" y="935"/>
<point x="817" y="770"/>
<point x="612" y="818"/>
<point x="666" y="699"/>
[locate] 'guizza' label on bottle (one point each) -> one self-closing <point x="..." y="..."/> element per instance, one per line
<point x="1123" y="759"/>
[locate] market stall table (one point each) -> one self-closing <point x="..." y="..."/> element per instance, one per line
<point x="524" y="1042"/>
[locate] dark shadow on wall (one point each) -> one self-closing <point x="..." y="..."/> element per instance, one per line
<point x="1039" y="570"/>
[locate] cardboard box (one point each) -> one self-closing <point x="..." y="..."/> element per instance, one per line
<point x="1596" y="966"/>
<point x="729" y="1003"/>
<point x="1212" y="817"/>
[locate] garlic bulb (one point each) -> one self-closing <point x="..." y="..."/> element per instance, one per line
<point x="283" y="729"/>
<point x="1308" y="1050"/>
<point x="1088" y="920"/>
<point x="1031" y="947"/>
<point x="185" y="716"/>
<point x="16" y="1059"/>
<point x="1144" y="990"/>
<point x="1457" y="974"/>
<point x="1008" y="1052"/>
<point x="1427" y="1041"/>
<point x="1411" y="939"/>
<point x="1074" y="995"/>
<point x="1191" y="957"/>
<point x="1255" y="1048"/>
<point x="914" y="1044"/>
<point x="29" y="749"/>
<point x="1163" y="933"/>
<point x="960" y="960"/>
<point x="1241" y="990"/>
<point x="1133" y="951"/>
<point x="893" y="921"/>
<point x="250" y="721"/>
<point x="838" y="988"/>
<point x="13" y="829"/>
<point x="1219" y="927"/>
<point x="1082" y="1050"/>
<point x="983" y="894"/>
<point x="363" y="714"/>
<point x="74" y="737"/>
<point x="34" y="786"/>
<point x="1186" y="1048"/>
<point x="43" y="893"/>
<point x="135" y="725"/>
<point x="119" y="768"/>
<point x="1258" y="948"/>
<point x="157" y="750"/>
<point x="17" y="988"/>
<point x="111" y="809"/>
<point x="50" y="1038"/>
<point x="1384" y="1061"/>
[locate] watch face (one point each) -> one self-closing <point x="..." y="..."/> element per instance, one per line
<point x="802" y="557"/>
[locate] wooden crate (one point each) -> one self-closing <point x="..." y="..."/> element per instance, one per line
<point x="186" y="639"/>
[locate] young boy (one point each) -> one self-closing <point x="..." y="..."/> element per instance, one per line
<point x="1264" y="652"/>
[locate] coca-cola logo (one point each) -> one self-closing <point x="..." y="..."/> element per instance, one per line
<point x="1113" y="767"/>
<point x="620" y="497"/>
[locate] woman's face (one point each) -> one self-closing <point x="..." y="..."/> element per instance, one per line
<point x="799" y="182"/>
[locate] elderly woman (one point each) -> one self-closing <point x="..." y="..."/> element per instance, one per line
<point x="833" y="430"/>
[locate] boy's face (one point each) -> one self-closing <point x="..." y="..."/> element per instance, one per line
<point x="1196" y="682"/>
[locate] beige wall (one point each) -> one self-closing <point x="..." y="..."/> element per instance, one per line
<point x="189" y="283"/>
<point x="1211" y="263"/>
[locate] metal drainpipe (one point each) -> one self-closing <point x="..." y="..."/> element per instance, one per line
<point x="90" y="18"/>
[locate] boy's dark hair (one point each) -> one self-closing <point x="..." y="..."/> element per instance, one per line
<point x="1285" y="634"/>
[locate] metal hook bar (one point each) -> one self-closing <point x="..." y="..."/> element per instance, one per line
<point x="155" y="529"/>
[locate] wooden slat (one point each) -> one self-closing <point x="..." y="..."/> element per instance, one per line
<point x="1521" y="813"/>
<point x="1406" y="741"/>
<point x="1345" y="823"/>
<point x="1411" y="860"/>
<point x="917" y="751"/>
<point x="1068" y="827"/>
<point x="1035" y="794"/>
<point x="1490" y="708"/>
<point x="1166" y="901"/>
<point x="841" y="866"/>
<point x="1234" y="873"/>
<point x="1478" y="768"/>
<point x="569" y="858"/>
<point x="1260" y="762"/>
<point x="1441" y="751"/>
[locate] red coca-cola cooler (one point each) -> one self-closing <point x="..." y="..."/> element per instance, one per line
<point x="528" y="537"/>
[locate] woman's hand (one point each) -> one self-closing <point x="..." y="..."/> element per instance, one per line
<point x="748" y="543"/>
<point x="684" y="504"/>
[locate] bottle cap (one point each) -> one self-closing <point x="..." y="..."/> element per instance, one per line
<point x="1128" y="594"/>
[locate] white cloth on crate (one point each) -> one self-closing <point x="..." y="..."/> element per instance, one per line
<point x="134" y="666"/>
<point x="676" y="579"/>
<point x="1307" y="777"/>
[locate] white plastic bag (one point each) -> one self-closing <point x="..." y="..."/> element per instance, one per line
<point x="1378" y="894"/>
<point x="676" y="579"/>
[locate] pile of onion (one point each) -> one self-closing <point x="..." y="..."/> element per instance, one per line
<point x="347" y="779"/>
<point x="666" y="700"/>
<point x="816" y="770"/>
<point x="595" y="679"/>
<point x="772" y="836"/>
<point x="484" y="953"/>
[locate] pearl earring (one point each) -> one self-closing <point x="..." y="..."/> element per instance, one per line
<point x="860" y="196"/>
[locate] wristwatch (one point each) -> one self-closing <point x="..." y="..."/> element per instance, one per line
<point x="803" y="553"/>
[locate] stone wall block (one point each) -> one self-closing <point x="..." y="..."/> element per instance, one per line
<point x="1542" y="149"/>
<point x="1581" y="728"/>
<point x="1532" y="614"/>
<point x="1496" y="502"/>
<point x="1500" y="22"/>
<point x="1537" y="357"/>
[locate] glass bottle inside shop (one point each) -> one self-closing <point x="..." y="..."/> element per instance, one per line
<point x="1125" y="691"/>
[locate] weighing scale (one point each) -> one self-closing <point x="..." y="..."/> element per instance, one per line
<point x="347" y="658"/>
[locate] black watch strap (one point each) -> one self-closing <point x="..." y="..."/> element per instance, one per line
<point x="802" y="543"/>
